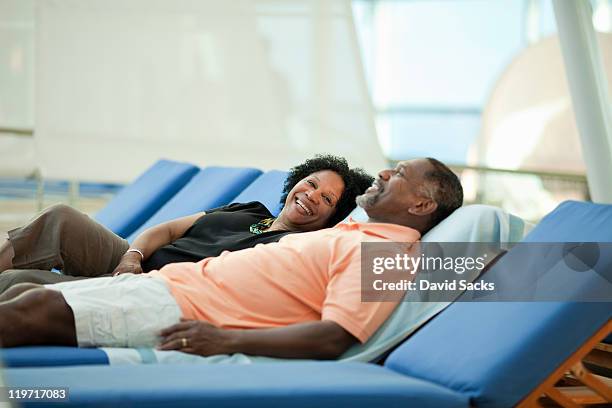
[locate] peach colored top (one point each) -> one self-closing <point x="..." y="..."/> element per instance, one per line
<point x="304" y="277"/>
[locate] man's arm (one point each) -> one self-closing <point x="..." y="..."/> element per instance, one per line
<point x="312" y="340"/>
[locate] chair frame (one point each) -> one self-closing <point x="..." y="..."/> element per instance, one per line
<point x="596" y="390"/>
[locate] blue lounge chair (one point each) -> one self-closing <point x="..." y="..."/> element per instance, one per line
<point x="138" y="201"/>
<point x="497" y="353"/>
<point x="318" y="384"/>
<point x="484" y="354"/>
<point x="211" y="187"/>
<point x="51" y="356"/>
<point x="474" y="223"/>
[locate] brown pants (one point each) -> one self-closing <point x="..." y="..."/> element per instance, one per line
<point x="65" y="239"/>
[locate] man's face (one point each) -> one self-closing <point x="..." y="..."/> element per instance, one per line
<point x="397" y="191"/>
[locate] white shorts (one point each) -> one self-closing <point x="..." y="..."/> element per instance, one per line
<point x="124" y="311"/>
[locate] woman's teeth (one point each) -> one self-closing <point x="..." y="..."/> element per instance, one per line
<point x="303" y="206"/>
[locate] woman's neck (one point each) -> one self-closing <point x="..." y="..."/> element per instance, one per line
<point x="281" y="225"/>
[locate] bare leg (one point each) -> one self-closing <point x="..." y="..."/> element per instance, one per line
<point x="6" y="256"/>
<point x="37" y="316"/>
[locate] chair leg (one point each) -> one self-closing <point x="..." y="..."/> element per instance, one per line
<point x="599" y="360"/>
<point x="574" y="362"/>
<point x="561" y="399"/>
<point x="591" y="381"/>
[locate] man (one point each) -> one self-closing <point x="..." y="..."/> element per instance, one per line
<point x="298" y="298"/>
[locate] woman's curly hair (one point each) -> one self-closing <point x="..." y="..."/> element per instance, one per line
<point x="356" y="181"/>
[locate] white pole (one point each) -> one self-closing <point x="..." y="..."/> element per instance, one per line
<point x="589" y="92"/>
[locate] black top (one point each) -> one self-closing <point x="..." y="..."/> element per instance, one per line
<point x="221" y="229"/>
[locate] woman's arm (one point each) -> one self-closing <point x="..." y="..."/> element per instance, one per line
<point x="151" y="239"/>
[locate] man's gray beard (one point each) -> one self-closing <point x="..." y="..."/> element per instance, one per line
<point x="366" y="200"/>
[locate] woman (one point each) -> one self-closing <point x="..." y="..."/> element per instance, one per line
<point x="317" y="194"/>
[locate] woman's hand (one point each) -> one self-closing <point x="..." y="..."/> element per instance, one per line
<point x="196" y="337"/>
<point x="130" y="263"/>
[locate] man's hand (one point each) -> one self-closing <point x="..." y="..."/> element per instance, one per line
<point x="130" y="263"/>
<point x="317" y="339"/>
<point x="196" y="337"/>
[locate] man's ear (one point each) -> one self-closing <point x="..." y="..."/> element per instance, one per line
<point x="424" y="206"/>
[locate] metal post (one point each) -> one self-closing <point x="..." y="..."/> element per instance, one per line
<point x="589" y="92"/>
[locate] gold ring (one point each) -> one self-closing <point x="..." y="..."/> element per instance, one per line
<point x="183" y="342"/>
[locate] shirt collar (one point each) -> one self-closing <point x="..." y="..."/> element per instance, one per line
<point x="394" y="232"/>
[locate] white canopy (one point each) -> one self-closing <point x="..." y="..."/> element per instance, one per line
<point x="121" y="83"/>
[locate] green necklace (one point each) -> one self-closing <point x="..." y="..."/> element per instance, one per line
<point x="261" y="226"/>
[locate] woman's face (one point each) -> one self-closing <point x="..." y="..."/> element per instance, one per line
<point x="312" y="201"/>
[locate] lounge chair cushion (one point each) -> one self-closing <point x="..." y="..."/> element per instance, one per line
<point x="138" y="201"/>
<point x="471" y="223"/>
<point x="46" y="356"/>
<point x="266" y="189"/>
<point x="322" y="384"/>
<point x="497" y="352"/>
<point x="589" y="223"/>
<point x="209" y="188"/>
